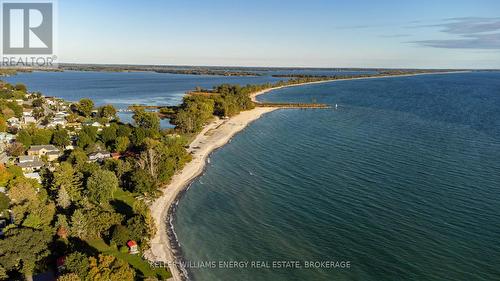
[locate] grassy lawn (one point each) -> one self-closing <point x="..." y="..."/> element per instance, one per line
<point x="123" y="202"/>
<point x="124" y="196"/>
<point x="136" y="261"/>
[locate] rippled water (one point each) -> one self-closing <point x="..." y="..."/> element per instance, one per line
<point x="402" y="180"/>
<point x="125" y="88"/>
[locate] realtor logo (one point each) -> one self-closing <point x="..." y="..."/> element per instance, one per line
<point x="28" y="33"/>
<point x="27" y="28"/>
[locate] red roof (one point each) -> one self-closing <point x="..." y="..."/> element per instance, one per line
<point x="131" y="243"/>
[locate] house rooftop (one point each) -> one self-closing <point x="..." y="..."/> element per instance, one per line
<point x="46" y="146"/>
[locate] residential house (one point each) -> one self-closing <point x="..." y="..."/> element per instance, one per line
<point x="13" y="121"/>
<point x="28" y="120"/>
<point x="35" y="176"/>
<point x="92" y="123"/>
<point x="27" y="112"/>
<point x="58" y="121"/>
<point x="29" y="164"/>
<point x="133" y="247"/>
<point x="49" y="150"/>
<point x="99" y="156"/>
<point x="6" y="137"/>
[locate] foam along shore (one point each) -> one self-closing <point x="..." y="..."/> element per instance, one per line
<point x="213" y="136"/>
<point x="164" y="246"/>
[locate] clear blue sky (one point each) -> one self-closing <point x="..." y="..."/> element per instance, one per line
<point x="318" y="33"/>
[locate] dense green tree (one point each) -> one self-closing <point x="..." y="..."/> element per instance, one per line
<point x="41" y="136"/>
<point x="85" y="107"/>
<point x="147" y="120"/>
<point x="120" y="235"/>
<point x="107" y="111"/>
<point x="66" y="178"/>
<point x="195" y="111"/>
<point x="93" y="222"/>
<point x="60" y="137"/>
<point x="3" y="124"/>
<point x="78" y="158"/>
<point x="38" y="102"/>
<point x="121" y="144"/>
<point x="109" y="268"/>
<point x="21" y="87"/>
<point x="84" y="140"/>
<point x="141" y="182"/>
<point x="30" y="205"/>
<point x="91" y="131"/>
<point x="101" y="185"/>
<point x="62" y="226"/>
<point x="77" y="263"/>
<point x="108" y="135"/>
<point x="24" y="137"/>
<point x="4" y="202"/>
<point x="123" y="130"/>
<point x="22" y="248"/>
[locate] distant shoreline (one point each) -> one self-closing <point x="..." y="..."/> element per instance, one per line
<point x="164" y="246"/>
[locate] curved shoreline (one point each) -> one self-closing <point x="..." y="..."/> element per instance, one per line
<point x="164" y="246"/>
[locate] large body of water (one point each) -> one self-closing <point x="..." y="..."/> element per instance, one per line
<point x="125" y="88"/>
<point x="402" y="180"/>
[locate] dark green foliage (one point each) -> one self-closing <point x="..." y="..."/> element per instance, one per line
<point x="24" y="137"/>
<point x="147" y="120"/>
<point x="137" y="229"/>
<point x="108" y="135"/>
<point x="77" y="263"/>
<point x="4" y="202"/>
<point x="41" y="136"/>
<point x="21" y="87"/>
<point x="85" y="107"/>
<point x="60" y="137"/>
<point x="142" y="182"/>
<point x="22" y="248"/>
<point x="123" y="130"/>
<point x="195" y="111"/>
<point x="107" y="111"/>
<point x="120" y="235"/>
<point x="101" y="186"/>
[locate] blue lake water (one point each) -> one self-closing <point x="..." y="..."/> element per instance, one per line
<point x="125" y="88"/>
<point x="402" y="181"/>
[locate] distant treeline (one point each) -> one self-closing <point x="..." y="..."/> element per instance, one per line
<point x="360" y="75"/>
<point x="160" y="69"/>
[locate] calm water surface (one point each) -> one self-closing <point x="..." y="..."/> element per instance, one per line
<point x="402" y="180"/>
<point x="125" y="88"/>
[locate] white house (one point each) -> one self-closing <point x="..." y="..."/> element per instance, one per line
<point x="99" y="156"/>
<point x="13" y="121"/>
<point x="29" y="120"/>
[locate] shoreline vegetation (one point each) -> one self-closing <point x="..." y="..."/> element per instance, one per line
<point x="85" y="195"/>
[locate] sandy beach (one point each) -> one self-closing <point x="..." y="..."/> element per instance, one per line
<point x="164" y="246"/>
<point x="213" y="136"/>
